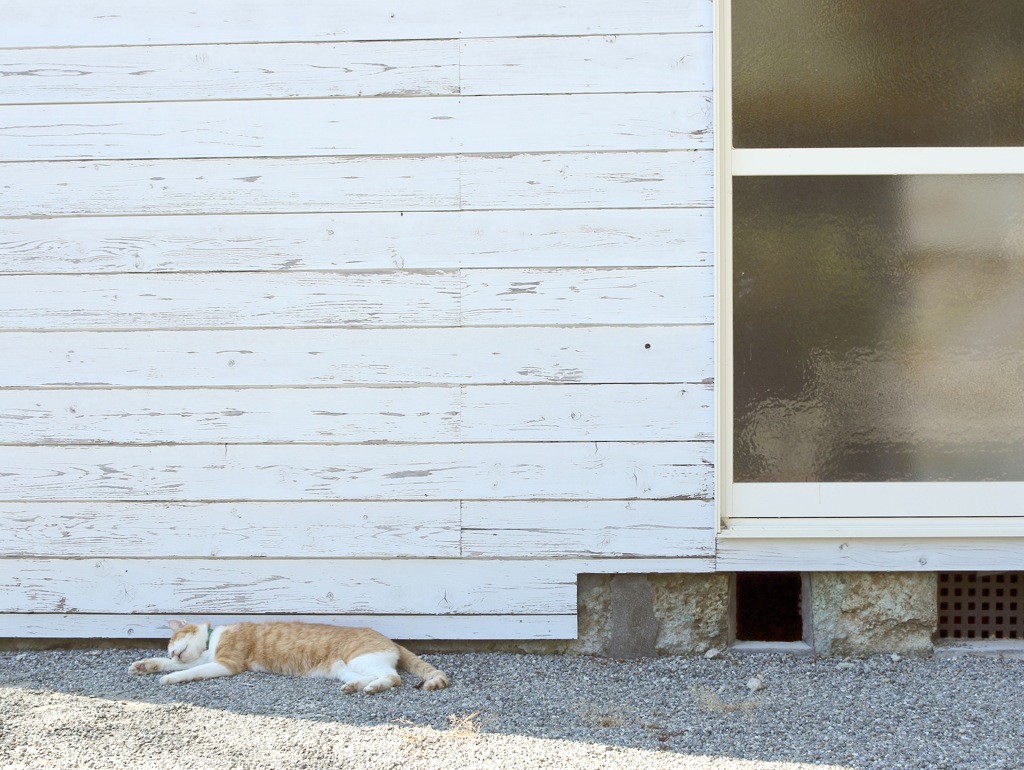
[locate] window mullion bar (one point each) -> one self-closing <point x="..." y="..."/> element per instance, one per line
<point x="877" y="161"/>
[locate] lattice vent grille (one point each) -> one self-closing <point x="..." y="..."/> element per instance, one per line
<point x="981" y="605"/>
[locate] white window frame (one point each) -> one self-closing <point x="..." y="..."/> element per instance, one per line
<point x="753" y="509"/>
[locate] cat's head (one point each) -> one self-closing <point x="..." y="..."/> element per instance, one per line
<point x="188" y="641"/>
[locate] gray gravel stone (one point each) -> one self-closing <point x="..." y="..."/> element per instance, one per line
<point x="80" y="709"/>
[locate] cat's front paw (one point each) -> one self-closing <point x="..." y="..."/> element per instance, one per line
<point x="147" y="666"/>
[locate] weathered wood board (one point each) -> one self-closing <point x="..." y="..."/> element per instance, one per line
<point x="361" y="529"/>
<point x="549" y="471"/>
<point x="305" y="586"/>
<point x="183" y="73"/>
<point x="359" y="299"/>
<point x="585" y="180"/>
<point x="129" y="22"/>
<point x="356" y="127"/>
<point x="261" y="357"/>
<point x="329" y="588"/>
<point x="357" y="415"/>
<point x="503" y="529"/>
<point x="360" y="241"/>
<point x="656" y="63"/>
<point x="332" y="184"/>
<point x="237" y="530"/>
<point x="261" y="185"/>
<point x="406" y="68"/>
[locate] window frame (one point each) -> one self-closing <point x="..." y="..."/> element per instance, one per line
<point x="854" y="507"/>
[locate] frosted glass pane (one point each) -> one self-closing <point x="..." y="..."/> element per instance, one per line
<point x="876" y="73"/>
<point x="879" y="328"/>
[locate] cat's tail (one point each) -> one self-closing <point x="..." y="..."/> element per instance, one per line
<point x="414" y="664"/>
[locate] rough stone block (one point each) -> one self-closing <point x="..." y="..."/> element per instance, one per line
<point x="864" y="613"/>
<point x="693" y="612"/>
<point x="644" y="615"/>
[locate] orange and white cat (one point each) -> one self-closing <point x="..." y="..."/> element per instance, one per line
<point x="360" y="657"/>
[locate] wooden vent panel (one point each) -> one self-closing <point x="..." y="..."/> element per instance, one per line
<point x="981" y="605"/>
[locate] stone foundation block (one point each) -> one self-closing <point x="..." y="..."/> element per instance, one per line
<point x="629" y="616"/>
<point x="865" y="613"/>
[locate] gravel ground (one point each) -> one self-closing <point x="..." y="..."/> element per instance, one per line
<point x="80" y="709"/>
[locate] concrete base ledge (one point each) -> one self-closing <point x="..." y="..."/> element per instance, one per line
<point x="1004" y="648"/>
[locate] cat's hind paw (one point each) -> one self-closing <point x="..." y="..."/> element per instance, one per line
<point x="437" y="682"/>
<point x="147" y="666"/>
<point x="381" y="684"/>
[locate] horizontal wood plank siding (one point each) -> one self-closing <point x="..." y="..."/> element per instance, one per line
<point x="356" y="415"/>
<point x="395" y="315"/>
<point x="338" y="530"/>
<point x="265" y="357"/>
<point x="297" y="185"/>
<point x="358" y="530"/>
<point x="49" y="23"/>
<point x="677" y="528"/>
<point x="657" y="63"/>
<point x="562" y="470"/>
<point x="356" y="127"/>
<point x="475" y="67"/>
<point x="262" y="185"/>
<point x="400" y="298"/>
<point x="334" y="587"/>
<point x="184" y="73"/>
<point x="363" y="241"/>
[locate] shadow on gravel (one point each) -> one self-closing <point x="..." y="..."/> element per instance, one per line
<point x="666" y="712"/>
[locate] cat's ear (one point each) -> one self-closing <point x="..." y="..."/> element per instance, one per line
<point x="176" y="625"/>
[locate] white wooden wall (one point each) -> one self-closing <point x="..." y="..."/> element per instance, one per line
<point x="377" y="312"/>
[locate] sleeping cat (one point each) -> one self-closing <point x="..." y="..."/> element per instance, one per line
<point x="360" y="657"/>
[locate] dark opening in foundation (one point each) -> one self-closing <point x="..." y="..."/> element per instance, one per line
<point x="768" y="607"/>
